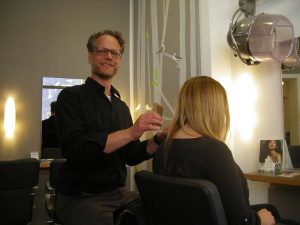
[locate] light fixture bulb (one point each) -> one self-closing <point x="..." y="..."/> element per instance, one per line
<point x="10" y="117"/>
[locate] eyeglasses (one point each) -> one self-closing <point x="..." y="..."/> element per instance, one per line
<point x="104" y="52"/>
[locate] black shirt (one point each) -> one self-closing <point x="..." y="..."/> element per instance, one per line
<point x="205" y="158"/>
<point x="84" y="117"/>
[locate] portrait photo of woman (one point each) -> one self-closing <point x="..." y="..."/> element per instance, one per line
<point x="270" y="152"/>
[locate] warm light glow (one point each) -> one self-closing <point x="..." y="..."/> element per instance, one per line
<point x="10" y="117"/>
<point x="148" y="108"/>
<point x="137" y="108"/>
<point x="244" y="106"/>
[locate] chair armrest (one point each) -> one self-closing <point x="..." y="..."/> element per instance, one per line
<point x="49" y="189"/>
<point x="34" y="190"/>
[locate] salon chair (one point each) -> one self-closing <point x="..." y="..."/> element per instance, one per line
<point x="18" y="183"/>
<point x="178" y="201"/>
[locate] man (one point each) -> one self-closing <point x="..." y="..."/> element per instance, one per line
<point x="49" y="134"/>
<point x="98" y="138"/>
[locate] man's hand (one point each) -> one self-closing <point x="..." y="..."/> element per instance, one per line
<point x="149" y="121"/>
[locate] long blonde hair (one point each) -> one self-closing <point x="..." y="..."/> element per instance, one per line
<point x="202" y="105"/>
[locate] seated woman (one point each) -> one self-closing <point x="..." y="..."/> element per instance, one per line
<point x="195" y="148"/>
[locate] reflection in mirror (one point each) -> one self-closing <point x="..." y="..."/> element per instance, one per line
<point x="291" y="95"/>
<point x="52" y="86"/>
<point x="290" y="104"/>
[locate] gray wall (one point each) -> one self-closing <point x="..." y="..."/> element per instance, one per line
<point x="47" y="38"/>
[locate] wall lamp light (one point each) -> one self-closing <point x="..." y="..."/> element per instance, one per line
<point x="260" y="38"/>
<point x="9" y="117"/>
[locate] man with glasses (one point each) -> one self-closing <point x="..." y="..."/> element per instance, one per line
<point x="98" y="139"/>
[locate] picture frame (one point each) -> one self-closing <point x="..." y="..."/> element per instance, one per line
<point x="271" y="155"/>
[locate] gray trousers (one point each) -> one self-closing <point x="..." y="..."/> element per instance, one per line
<point x="99" y="208"/>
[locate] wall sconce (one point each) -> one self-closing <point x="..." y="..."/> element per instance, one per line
<point x="260" y="38"/>
<point x="9" y="117"/>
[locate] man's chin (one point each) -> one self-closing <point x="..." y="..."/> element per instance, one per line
<point x="104" y="76"/>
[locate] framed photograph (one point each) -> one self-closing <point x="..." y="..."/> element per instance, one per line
<point x="271" y="155"/>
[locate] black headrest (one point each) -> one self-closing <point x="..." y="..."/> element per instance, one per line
<point x="19" y="173"/>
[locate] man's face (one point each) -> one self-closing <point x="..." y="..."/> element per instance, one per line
<point x="105" y="58"/>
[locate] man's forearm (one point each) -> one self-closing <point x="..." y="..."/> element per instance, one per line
<point x="117" y="140"/>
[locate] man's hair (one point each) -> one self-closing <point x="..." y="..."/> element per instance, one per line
<point x="116" y="34"/>
<point x="53" y="107"/>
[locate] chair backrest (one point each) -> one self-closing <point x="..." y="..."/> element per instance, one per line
<point x="55" y="167"/>
<point x="294" y="151"/>
<point x="178" y="201"/>
<point x="17" y="180"/>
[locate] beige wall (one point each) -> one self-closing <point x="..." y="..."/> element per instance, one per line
<point x="43" y="37"/>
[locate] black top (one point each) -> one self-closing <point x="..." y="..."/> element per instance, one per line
<point x="49" y="134"/>
<point x="205" y="158"/>
<point x="85" y="116"/>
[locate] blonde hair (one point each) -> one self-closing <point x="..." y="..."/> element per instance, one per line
<point x="202" y="105"/>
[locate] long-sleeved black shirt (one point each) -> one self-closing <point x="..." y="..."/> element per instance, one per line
<point x="205" y="158"/>
<point x="84" y="118"/>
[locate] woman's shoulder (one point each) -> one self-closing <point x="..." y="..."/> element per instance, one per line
<point x="214" y="146"/>
<point x="205" y="141"/>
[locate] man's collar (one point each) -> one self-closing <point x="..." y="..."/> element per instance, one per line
<point x="96" y="87"/>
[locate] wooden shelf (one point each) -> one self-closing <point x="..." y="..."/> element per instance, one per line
<point x="45" y="164"/>
<point x="282" y="177"/>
